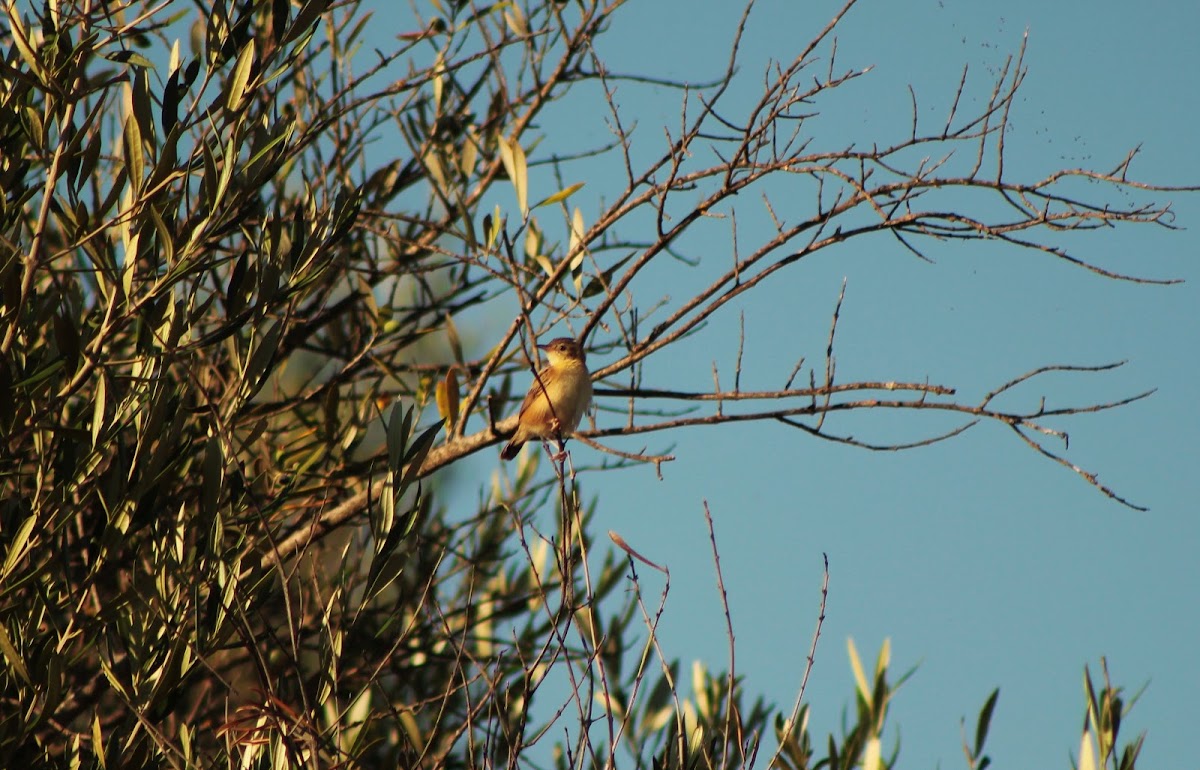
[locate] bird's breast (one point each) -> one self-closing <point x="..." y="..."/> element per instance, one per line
<point x="576" y="395"/>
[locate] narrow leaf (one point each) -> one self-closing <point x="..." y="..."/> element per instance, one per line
<point x="18" y="547"/>
<point x="98" y="408"/>
<point x="885" y="657"/>
<point x="135" y="161"/>
<point x="513" y="158"/>
<point x="262" y="360"/>
<point x="416" y="455"/>
<point x="12" y="656"/>
<point x="240" y="78"/>
<point x="561" y="195"/>
<point x="985" y="721"/>
<point x="515" y="18"/>
<point x="1087" y="751"/>
<point x="20" y="37"/>
<point x="872" y="755"/>
<point x="451" y="387"/>
<point x="397" y="436"/>
<point x="860" y="679"/>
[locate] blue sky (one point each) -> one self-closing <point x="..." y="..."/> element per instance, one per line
<point x="984" y="563"/>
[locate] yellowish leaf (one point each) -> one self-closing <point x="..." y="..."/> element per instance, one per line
<point x="439" y="80"/>
<point x="15" y="662"/>
<point x="470" y="152"/>
<point x="1087" y="750"/>
<point x="871" y="755"/>
<point x="513" y="158"/>
<point x="433" y="164"/>
<point x="577" y="231"/>
<point x="577" y="251"/>
<point x="446" y="394"/>
<point x="860" y="678"/>
<point x="240" y="78"/>
<point x="515" y="18"/>
<point x="561" y="195"/>
<point x="885" y="657"/>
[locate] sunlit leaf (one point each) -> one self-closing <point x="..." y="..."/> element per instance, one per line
<point x="240" y="79"/>
<point x="18" y="547"/>
<point x="15" y="662"/>
<point x="447" y="399"/>
<point x="1088" y="751"/>
<point x="514" y="17"/>
<point x="561" y="195"/>
<point x="872" y="755"/>
<point x="99" y="406"/>
<point x="513" y="158"/>
<point x="860" y="678"/>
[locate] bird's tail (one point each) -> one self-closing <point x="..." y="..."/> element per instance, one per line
<point x="510" y="449"/>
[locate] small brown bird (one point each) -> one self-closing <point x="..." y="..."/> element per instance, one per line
<point x="557" y="398"/>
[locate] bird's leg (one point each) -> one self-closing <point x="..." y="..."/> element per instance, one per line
<point x="561" y="454"/>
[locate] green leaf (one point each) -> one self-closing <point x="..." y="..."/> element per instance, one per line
<point x="170" y="101"/>
<point x="659" y="705"/>
<point x="397" y="435"/>
<point x="308" y="15"/>
<point x="53" y="680"/>
<point x="262" y="359"/>
<point x="492" y="224"/>
<point x="91" y="150"/>
<point x="235" y="298"/>
<point x="67" y="337"/>
<point x="98" y="407"/>
<point x="210" y="181"/>
<point x="240" y="78"/>
<point x="19" y="545"/>
<point x="384" y="567"/>
<point x="416" y="455"/>
<point x="41" y="374"/>
<point x="21" y="38"/>
<point x="600" y="284"/>
<point x="141" y="104"/>
<point x="134" y="158"/>
<point x="131" y="58"/>
<point x="228" y="163"/>
<point x="12" y="656"/>
<point x="279" y="18"/>
<point x="985" y="721"/>
<point x="281" y="132"/>
<point x="213" y="473"/>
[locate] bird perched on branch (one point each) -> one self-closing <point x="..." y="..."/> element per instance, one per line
<point x="557" y="398"/>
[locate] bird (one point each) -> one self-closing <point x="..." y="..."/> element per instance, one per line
<point x="568" y="385"/>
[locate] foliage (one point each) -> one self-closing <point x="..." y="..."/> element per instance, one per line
<point x="230" y="363"/>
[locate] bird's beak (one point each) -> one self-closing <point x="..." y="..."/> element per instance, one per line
<point x="543" y="347"/>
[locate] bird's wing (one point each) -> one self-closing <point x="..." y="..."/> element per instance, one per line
<point x="536" y="389"/>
